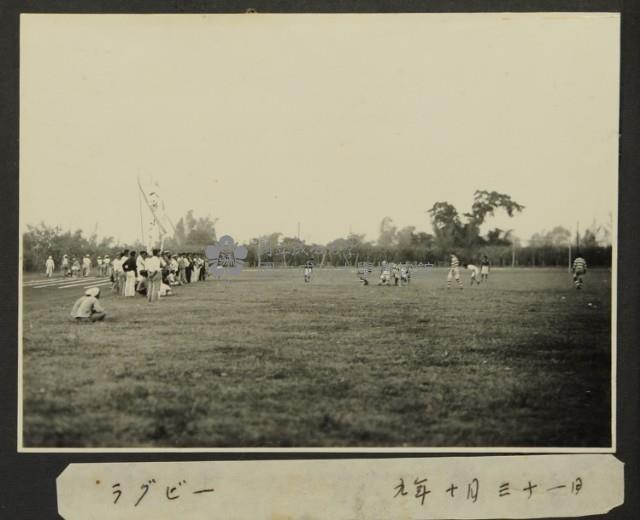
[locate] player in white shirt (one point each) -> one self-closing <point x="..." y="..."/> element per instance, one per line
<point x="385" y="273"/>
<point x="86" y="266"/>
<point x="308" y="268"/>
<point x="50" y="266"/>
<point x="475" y="273"/>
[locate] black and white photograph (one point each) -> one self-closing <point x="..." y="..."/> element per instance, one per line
<point x="322" y="232"/>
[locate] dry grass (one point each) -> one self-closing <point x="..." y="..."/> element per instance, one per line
<point x="265" y="360"/>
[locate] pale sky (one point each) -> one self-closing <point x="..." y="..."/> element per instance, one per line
<point x="333" y="121"/>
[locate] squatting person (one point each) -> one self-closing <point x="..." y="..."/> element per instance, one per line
<point x="87" y="307"/>
<point x="475" y="273"/>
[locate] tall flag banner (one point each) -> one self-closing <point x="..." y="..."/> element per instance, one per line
<point x="156" y="230"/>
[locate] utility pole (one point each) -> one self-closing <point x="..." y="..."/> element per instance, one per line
<point x="259" y="242"/>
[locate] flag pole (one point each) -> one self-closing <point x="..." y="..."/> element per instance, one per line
<point x="141" y="220"/>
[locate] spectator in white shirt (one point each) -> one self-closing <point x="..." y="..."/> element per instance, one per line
<point x="50" y="266"/>
<point x="122" y="275"/>
<point x="86" y="266"/>
<point x="154" y="276"/>
<point x="116" y="267"/>
<point x="140" y="268"/>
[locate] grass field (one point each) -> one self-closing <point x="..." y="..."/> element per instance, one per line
<point x="264" y="360"/>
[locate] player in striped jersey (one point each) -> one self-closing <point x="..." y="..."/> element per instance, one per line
<point x="579" y="270"/>
<point x="405" y="274"/>
<point x="385" y="273"/>
<point x="395" y="269"/>
<point x="454" y="271"/>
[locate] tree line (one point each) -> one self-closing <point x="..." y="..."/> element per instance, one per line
<point x="452" y="232"/>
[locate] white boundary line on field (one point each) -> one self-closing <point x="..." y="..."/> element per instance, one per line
<point x="97" y="285"/>
<point x="59" y="279"/>
<point x="48" y="281"/>
<point x="63" y="282"/>
<point x="79" y="282"/>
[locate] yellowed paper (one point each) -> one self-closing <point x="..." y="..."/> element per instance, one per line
<point x="456" y="488"/>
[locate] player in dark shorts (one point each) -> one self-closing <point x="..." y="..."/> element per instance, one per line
<point x="308" y="267"/>
<point x="484" y="268"/>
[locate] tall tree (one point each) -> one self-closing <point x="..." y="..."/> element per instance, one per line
<point x="447" y="227"/>
<point x="406" y="237"/>
<point x="558" y="236"/>
<point x="387" y="236"/>
<point x="193" y="232"/>
<point x="180" y="234"/>
<point x="451" y="232"/>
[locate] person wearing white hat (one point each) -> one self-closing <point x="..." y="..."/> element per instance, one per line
<point x="50" y="265"/>
<point x="87" y="307"/>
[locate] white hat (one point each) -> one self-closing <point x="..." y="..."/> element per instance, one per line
<point x="94" y="291"/>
